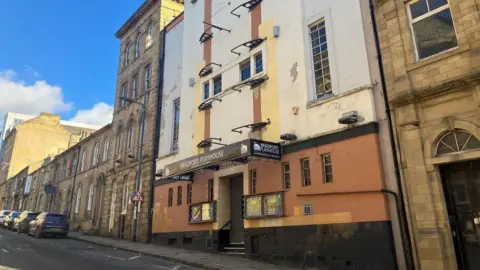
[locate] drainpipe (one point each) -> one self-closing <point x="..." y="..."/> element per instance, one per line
<point x="156" y="134"/>
<point x="399" y="198"/>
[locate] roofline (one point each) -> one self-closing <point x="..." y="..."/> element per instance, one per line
<point x="174" y="22"/>
<point x="134" y="18"/>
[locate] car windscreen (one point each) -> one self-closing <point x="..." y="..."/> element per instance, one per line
<point x="33" y="215"/>
<point x="56" y="218"/>
<point x="6" y="213"/>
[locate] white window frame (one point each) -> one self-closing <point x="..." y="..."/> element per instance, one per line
<point x="106" y="147"/>
<point x="124" y="94"/>
<point x="426" y="15"/>
<point x="148" y="77"/>
<point x="135" y="86"/>
<point x="209" y="90"/>
<point x="326" y="16"/>
<point x="126" y="56"/>
<point x="95" y="154"/>
<point x="84" y="160"/>
<point x="78" y="200"/>
<point x="138" y="45"/>
<point x="125" y="197"/>
<point x="129" y="141"/>
<point x="149" y="36"/>
<point x="90" y="197"/>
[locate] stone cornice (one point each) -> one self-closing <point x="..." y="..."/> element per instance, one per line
<point x="144" y="8"/>
<point x="454" y="85"/>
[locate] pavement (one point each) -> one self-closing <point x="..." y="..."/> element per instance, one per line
<point x="195" y="259"/>
<point x="19" y="251"/>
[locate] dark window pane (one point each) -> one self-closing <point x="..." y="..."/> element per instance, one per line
<point x="434" y="4"/>
<point x="418" y="9"/>
<point x="435" y="34"/>
<point x="217" y="85"/>
<point x="206" y="90"/>
<point x="323" y="39"/>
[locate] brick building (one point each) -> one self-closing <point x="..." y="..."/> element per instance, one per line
<point x="431" y="60"/>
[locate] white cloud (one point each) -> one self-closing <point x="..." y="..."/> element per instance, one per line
<point x="100" y="114"/>
<point x="18" y="96"/>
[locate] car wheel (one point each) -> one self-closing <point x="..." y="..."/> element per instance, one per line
<point x="38" y="233"/>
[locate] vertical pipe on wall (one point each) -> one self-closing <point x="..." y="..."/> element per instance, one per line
<point x="156" y="133"/>
<point x="404" y="228"/>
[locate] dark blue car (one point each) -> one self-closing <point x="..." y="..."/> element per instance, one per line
<point x="51" y="224"/>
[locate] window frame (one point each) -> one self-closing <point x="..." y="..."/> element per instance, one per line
<point x="170" y="197"/>
<point x="135" y="86"/>
<point x="179" y="195"/>
<point x="95" y="154"/>
<point x="306" y="180"/>
<point x="78" y="200"/>
<point x="83" y="162"/>
<point x="325" y="165"/>
<point x="255" y="60"/>
<point x="149" y="36"/>
<point x="429" y="13"/>
<point x="125" y="197"/>
<point x="138" y="45"/>
<point x="206" y="90"/>
<point x="253" y="182"/>
<point x="189" y="193"/>
<point x="317" y="23"/>
<point x="176" y="124"/>
<point x="210" y="190"/>
<point x="148" y="77"/>
<point x="106" y="148"/>
<point x="244" y="63"/>
<point x="216" y="84"/>
<point x="90" y="197"/>
<point x="129" y="141"/>
<point x="284" y="173"/>
<point x="126" y="56"/>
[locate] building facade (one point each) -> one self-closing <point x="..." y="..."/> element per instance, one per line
<point x="274" y="139"/>
<point x="432" y="70"/>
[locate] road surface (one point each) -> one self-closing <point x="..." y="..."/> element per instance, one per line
<point x="19" y="251"/>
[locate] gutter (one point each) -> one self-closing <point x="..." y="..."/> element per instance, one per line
<point x="156" y="134"/>
<point x="399" y="198"/>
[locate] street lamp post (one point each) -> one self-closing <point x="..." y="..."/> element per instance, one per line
<point x="140" y="157"/>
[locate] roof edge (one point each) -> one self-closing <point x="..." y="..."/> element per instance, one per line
<point x="136" y="15"/>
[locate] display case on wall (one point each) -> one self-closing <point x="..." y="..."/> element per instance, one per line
<point x="202" y="212"/>
<point x="263" y="205"/>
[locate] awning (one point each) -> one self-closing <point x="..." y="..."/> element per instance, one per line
<point x="238" y="150"/>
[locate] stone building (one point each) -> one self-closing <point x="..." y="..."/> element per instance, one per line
<point x="431" y="60"/>
<point x="35" y="139"/>
<point x="274" y="139"/>
<point x="138" y="81"/>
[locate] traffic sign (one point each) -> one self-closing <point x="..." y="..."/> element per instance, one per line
<point x="137" y="197"/>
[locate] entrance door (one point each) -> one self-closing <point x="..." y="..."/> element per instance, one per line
<point x="236" y="214"/>
<point x="462" y="191"/>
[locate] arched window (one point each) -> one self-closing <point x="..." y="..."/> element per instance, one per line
<point x="90" y="197"/>
<point x="106" y="145"/>
<point x="95" y="155"/>
<point x="456" y="141"/>
<point x="137" y="46"/>
<point x="149" y="37"/>
<point x="73" y="166"/>
<point x="129" y="136"/>
<point x="126" y="57"/>
<point x="78" y="200"/>
<point x="135" y="86"/>
<point x="83" y="163"/>
<point x="64" y="170"/>
<point x="118" y="143"/>
<point x="125" y="195"/>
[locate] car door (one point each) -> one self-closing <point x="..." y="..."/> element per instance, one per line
<point x="35" y="223"/>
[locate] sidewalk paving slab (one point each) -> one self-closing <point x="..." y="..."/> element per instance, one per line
<point x="197" y="259"/>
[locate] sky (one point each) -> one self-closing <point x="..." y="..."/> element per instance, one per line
<point x="61" y="57"/>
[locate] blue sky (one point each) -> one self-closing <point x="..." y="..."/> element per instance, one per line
<point x="54" y="48"/>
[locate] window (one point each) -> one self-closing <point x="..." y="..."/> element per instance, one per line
<point x="321" y="67"/>
<point x="137" y="46"/>
<point x="210" y="190"/>
<point x="327" y="168"/>
<point x="179" y="195"/>
<point x="90" y="197"/>
<point x="118" y="142"/>
<point x="147" y="78"/>
<point x="432" y="26"/>
<point x="189" y="193"/>
<point x="170" y="197"/>
<point x="129" y="137"/>
<point x="245" y="71"/>
<point x="206" y="90"/>
<point x="106" y="145"/>
<point x="125" y="196"/>
<point x="135" y="86"/>
<point x="176" y="123"/>
<point x="258" y="63"/>
<point x="149" y="37"/>
<point x="124" y="94"/>
<point x="95" y="155"/>
<point x="83" y="163"/>
<point x="456" y="141"/>
<point x="253" y="182"/>
<point x="78" y="200"/>
<point x="286" y="175"/>
<point x="73" y="166"/>
<point x="126" y="58"/>
<point x="306" y="181"/>
<point x="217" y="84"/>
<point x="64" y="170"/>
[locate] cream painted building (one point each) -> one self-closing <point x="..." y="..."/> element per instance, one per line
<point x="276" y="104"/>
<point x="432" y="71"/>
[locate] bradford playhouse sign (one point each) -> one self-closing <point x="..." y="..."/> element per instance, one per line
<point x="242" y="149"/>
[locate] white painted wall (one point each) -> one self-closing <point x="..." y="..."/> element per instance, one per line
<point x="172" y="86"/>
<point x="348" y="60"/>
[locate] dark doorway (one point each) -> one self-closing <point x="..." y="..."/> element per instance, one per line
<point x="461" y="183"/>
<point x="236" y="213"/>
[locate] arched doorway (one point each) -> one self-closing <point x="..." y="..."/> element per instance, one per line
<point x="461" y="185"/>
<point x="98" y="201"/>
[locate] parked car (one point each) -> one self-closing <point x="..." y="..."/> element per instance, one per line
<point x="20" y="224"/>
<point x="49" y="224"/>
<point x="8" y="220"/>
<point x="3" y="214"/>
